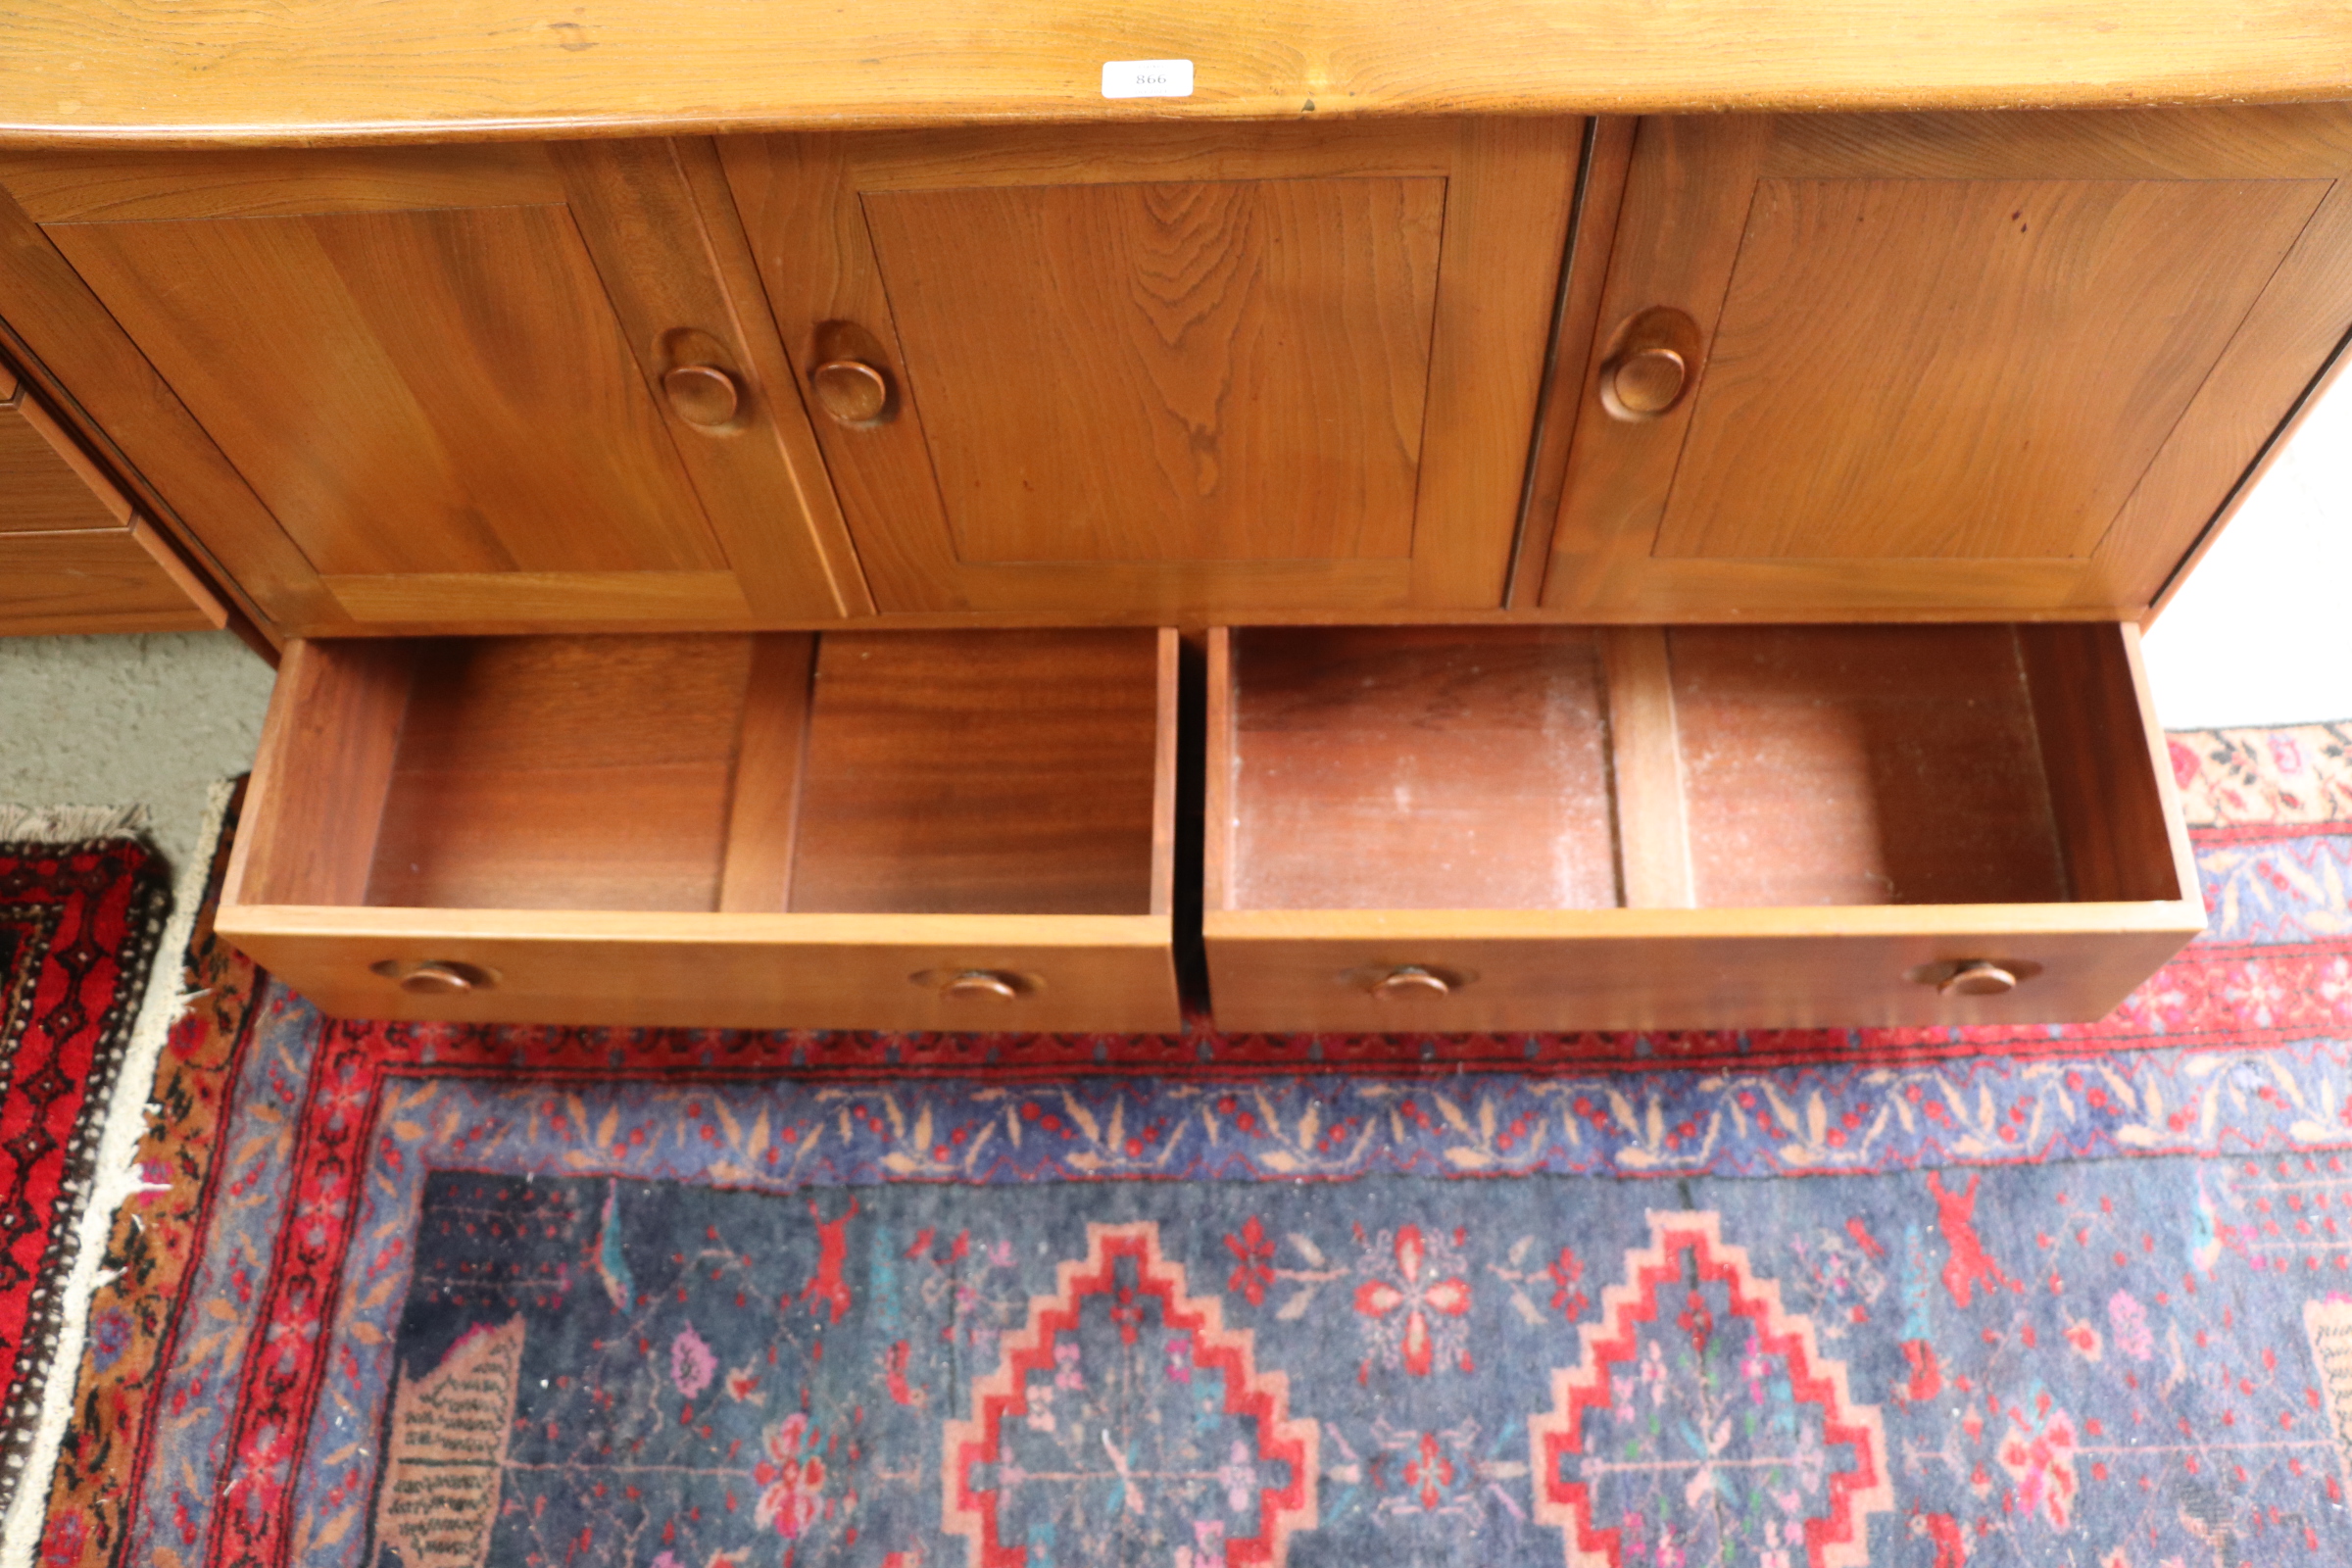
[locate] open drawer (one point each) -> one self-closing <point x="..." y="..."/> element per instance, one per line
<point x="1526" y="827"/>
<point x="908" y="830"/>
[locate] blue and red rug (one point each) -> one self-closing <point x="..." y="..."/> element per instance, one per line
<point x="443" y="1296"/>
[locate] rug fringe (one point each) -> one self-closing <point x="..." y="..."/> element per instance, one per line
<point x="71" y="824"/>
<point x="100" y="1177"/>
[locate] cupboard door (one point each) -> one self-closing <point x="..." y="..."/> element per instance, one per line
<point x="1874" y="366"/>
<point x="483" y="386"/>
<point x="1115" y="370"/>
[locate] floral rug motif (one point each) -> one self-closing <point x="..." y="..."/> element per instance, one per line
<point x="79" y="925"/>
<point x="443" y="1296"/>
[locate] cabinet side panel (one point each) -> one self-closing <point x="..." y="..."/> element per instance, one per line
<point x="321" y="775"/>
<point x="2113" y="817"/>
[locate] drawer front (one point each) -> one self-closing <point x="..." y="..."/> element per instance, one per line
<point x="1710" y="828"/>
<point x="75" y="557"/>
<point x="1435" y="977"/>
<point x="884" y="972"/>
<point x="95" y="581"/>
<point x="910" y="831"/>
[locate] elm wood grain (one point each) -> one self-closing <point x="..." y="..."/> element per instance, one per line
<point x="438" y="390"/>
<point x="1024" y="780"/>
<point x="1415" y="769"/>
<point x="645" y="618"/>
<point x="2293" y="342"/>
<point x="1860" y="714"/>
<point x="2020" y="348"/>
<point x="1232" y="371"/>
<point x="47" y="485"/>
<point x="1559" y="969"/>
<point x="564" y="774"/>
<point x="320" y="774"/>
<point x="208" y="604"/>
<point x="1645" y="764"/>
<point x="659" y="221"/>
<point x="1852" y="765"/>
<point x="75" y="557"/>
<point x="1220" y="760"/>
<point x="469" y="342"/>
<point x="620" y="781"/>
<point x="1592" y="232"/>
<point x="771" y="758"/>
<point x="1090" y="973"/>
<point x="121" y="407"/>
<point x="1172" y="757"/>
<point x="312" y="71"/>
<point x="2091" y="700"/>
<point x="2313" y="392"/>
<point x="92" y="580"/>
<point x="75" y="187"/>
<point x="1685" y="516"/>
<point x="433" y="602"/>
<point x="848" y="235"/>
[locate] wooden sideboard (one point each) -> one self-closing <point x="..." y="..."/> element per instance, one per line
<point x="1660" y="570"/>
<point x="1875" y="366"/>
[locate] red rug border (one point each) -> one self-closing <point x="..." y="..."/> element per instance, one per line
<point x="147" y="893"/>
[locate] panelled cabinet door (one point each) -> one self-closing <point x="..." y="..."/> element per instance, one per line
<point x="1876" y="365"/>
<point x="495" y="384"/>
<point x="1171" y="367"/>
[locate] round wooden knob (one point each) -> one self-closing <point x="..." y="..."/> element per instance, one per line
<point x="851" y="390"/>
<point x="443" y="980"/>
<point x="1409" y="983"/>
<point x="1647" y="383"/>
<point x="701" y="394"/>
<point x="977" y="985"/>
<point x="1980" y="979"/>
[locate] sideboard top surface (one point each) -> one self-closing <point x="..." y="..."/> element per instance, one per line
<point x="183" y="72"/>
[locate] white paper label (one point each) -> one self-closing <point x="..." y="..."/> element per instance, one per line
<point x="1147" y="78"/>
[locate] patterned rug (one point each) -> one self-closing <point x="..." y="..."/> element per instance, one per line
<point x="438" y="1296"/>
<point x="78" y="923"/>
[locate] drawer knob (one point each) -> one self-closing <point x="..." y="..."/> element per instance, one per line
<point x="978" y="985"/>
<point x="851" y="391"/>
<point x="437" y="977"/>
<point x="1979" y="979"/>
<point x="701" y="394"/>
<point x="1409" y="983"/>
<point x="1643" y="385"/>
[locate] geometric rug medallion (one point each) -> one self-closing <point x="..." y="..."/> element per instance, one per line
<point x="1703" y="1422"/>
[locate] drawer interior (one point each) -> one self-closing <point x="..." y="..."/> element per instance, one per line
<point x="905" y="772"/>
<point x="1516" y="767"/>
